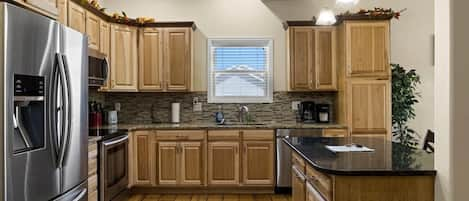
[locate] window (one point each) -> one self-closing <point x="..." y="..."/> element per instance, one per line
<point x="240" y="71"/>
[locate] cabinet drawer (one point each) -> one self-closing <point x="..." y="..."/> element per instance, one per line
<point x="180" y="135"/>
<point x="223" y="135"/>
<point x="334" y="132"/>
<point x="298" y="162"/>
<point x="320" y="181"/>
<point x="258" y="134"/>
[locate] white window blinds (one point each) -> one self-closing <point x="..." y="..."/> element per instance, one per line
<point x="240" y="71"/>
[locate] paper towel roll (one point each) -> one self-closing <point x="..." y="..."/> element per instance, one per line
<point x="175" y="110"/>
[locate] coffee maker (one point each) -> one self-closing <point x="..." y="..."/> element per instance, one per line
<point x="323" y="113"/>
<point x="307" y="112"/>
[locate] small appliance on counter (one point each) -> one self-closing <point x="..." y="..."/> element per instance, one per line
<point x="219" y="116"/>
<point x="307" y="112"/>
<point x="175" y="113"/>
<point x="323" y="111"/>
<point x="112" y="117"/>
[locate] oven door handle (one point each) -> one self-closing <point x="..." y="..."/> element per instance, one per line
<point x="116" y="141"/>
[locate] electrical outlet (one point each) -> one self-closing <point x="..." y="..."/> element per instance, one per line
<point x="197" y="107"/>
<point x="117" y="107"/>
<point x="294" y="105"/>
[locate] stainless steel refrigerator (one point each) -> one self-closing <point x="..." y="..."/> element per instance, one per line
<point x="44" y="97"/>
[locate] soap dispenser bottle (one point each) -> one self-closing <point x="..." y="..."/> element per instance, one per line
<point x="219" y="116"/>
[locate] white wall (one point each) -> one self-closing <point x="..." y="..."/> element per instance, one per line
<point x="410" y="38"/>
<point x="451" y="98"/>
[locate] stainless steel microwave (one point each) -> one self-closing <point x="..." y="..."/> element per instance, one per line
<point x="98" y="68"/>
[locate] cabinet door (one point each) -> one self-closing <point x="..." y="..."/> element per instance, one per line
<point x="298" y="185"/>
<point x="367" y="48"/>
<point x="312" y="194"/>
<point x="48" y="7"/>
<point x="151" y="60"/>
<point x="93" y="27"/>
<point x="177" y="59"/>
<point x="325" y="66"/>
<point x="143" y="157"/>
<point x="76" y="17"/>
<point x="62" y="6"/>
<point x="301" y="58"/>
<point x="168" y="163"/>
<point x="223" y="163"/>
<point x="192" y="163"/>
<point x="369" y="106"/>
<point x="105" y="48"/>
<point x="258" y="163"/>
<point x="124" y="71"/>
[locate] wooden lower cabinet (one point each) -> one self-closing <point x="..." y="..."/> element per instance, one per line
<point x="223" y="163"/>
<point x="221" y="159"/>
<point x="168" y="163"/>
<point x="298" y="185"/>
<point x="192" y="163"/>
<point x="92" y="171"/>
<point x="312" y="194"/>
<point x="258" y="163"/>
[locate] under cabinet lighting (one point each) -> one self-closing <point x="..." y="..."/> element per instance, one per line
<point x="326" y="17"/>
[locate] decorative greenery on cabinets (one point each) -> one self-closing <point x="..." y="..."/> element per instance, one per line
<point x="404" y="97"/>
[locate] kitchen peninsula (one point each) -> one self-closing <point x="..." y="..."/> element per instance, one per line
<point x="390" y="172"/>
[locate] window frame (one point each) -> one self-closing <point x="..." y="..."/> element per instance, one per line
<point x="251" y="42"/>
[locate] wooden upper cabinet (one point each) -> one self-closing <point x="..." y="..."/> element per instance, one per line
<point x="62" y="6"/>
<point x="325" y="59"/>
<point x="177" y="59"/>
<point x="301" y="58"/>
<point x="168" y="163"/>
<point x="369" y="110"/>
<point x="367" y="48"/>
<point x="151" y="60"/>
<point x="93" y="26"/>
<point x="45" y="7"/>
<point x="124" y="72"/>
<point x="192" y="163"/>
<point x="105" y="48"/>
<point x="76" y="17"/>
<point x="223" y="163"/>
<point x="258" y="163"/>
<point x="142" y="158"/>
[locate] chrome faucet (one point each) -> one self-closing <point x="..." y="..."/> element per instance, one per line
<point x="243" y="114"/>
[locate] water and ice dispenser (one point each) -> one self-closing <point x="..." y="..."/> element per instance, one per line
<point x="28" y="113"/>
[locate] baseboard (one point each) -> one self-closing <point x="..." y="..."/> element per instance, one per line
<point x="202" y="190"/>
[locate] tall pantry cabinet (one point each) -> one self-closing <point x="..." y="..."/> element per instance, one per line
<point x="364" y="83"/>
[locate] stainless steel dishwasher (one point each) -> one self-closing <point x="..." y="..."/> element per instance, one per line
<point x="283" y="156"/>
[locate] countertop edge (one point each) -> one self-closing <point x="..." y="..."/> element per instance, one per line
<point x="362" y="172"/>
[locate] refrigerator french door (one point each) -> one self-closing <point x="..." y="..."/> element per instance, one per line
<point x="45" y="127"/>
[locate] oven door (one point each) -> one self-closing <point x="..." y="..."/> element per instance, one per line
<point x="113" y="167"/>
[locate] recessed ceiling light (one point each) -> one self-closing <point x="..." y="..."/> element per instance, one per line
<point x="326" y="17"/>
<point x="347" y="3"/>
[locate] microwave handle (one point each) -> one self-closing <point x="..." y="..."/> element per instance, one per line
<point x="106" y="68"/>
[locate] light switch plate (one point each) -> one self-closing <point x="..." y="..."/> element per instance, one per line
<point x="294" y="105"/>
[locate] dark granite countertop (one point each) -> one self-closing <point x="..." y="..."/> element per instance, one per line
<point x="388" y="159"/>
<point x="208" y="125"/>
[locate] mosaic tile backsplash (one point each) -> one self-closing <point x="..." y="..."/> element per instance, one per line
<point x="156" y="107"/>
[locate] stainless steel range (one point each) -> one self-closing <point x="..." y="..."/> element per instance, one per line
<point x="44" y="127"/>
<point x="113" y="163"/>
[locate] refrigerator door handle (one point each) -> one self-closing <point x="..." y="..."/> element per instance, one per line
<point x="81" y="195"/>
<point x="64" y="78"/>
<point x="54" y="108"/>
